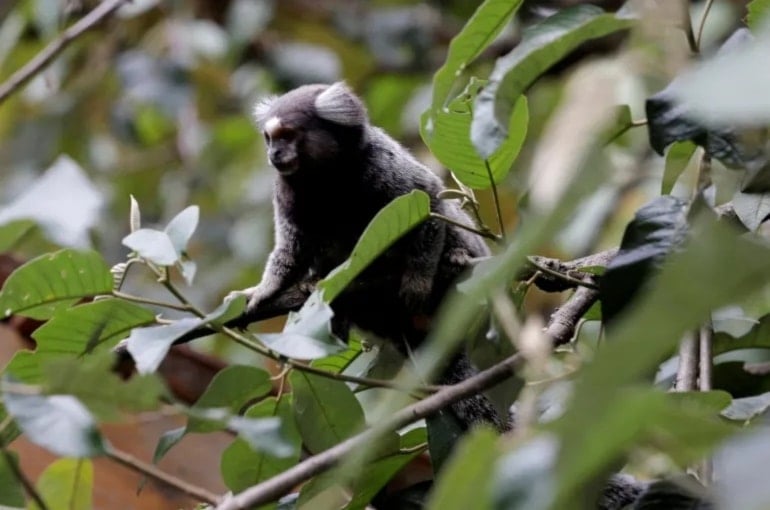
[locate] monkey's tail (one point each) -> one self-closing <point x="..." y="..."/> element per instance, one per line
<point x="475" y="410"/>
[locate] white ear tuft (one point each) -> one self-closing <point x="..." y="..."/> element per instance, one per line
<point x="340" y="105"/>
<point x="262" y="107"/>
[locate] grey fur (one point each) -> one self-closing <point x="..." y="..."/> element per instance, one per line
<point x="336" y="171"/>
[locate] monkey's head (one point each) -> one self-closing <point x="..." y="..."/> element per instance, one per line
<point x="311" y="127"/>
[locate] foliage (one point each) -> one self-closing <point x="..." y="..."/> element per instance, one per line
<point x="540" y="139"/>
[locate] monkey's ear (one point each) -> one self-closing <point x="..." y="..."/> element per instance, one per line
<point x="261" y="109"/>
<point x="340" y="105"/>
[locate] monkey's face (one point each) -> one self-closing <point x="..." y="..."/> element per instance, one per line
<point x="282" y="146"/>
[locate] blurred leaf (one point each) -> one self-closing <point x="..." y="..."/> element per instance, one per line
<point x="523" y="478"/>
<point x="741" y="464"/>
<point x="393" y="221"/>
<point x="152" y="126"/>
<point x="478" y="33"/>
<point x="11" y="233"/>
<point x="543" y="44"/>
<point x="752" y="208"/>
<point x="67" y="484"/>
<point x="63" y="201"/>
<point x="448" y="138"/>
<point x="93" y="381"/>
<point x="657" y="229"/>
<point x="149" y="346"/>
<point x="11" y="431"/>
<point x="54" y="281"/>
<point x="472" y="465"/>
<point x="677" y="158"/>
<point x="758" y="337"/>
<point x="153" y="245"/>
<point x="232" y="307"/>
<point x="758" y="11"/>
<point x="262" y="434"/>
<point x="307" y="334"/>
<point x="232" y="388"/>
<point x="167" y="440"/>
<point x="444" y="431"/>
<point x="11" y="489"/>
<point x="181" y="228"/>
<point x="58" y="423"/>
<point x="325" y="410"/>
<point x="733" y="321"/>
<point x="134" y="215"/>
<point x="242" y="466"/>
<point x="747" y="408"/>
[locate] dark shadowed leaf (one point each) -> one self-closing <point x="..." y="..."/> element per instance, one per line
<point x="11" y="489"/>
<point x="657" y="229"/>
<point x="673" y="495"/>
<point x="180" y="229"/>
<point x="472" y="465"/>
<point x="542" y="45"/>
<point x="326" y="411"/>
<point x="67" y="483"/>
<point x="307" y="334"/>
<point x="54" y="281"/>
<point x="393" y="221"/>
<point x="59" y="423"/>
<point x="243" y="466"/>
<point x="153" y="245"/>
<point x="444" y="430"/>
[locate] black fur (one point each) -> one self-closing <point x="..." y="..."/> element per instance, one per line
<point x="344" y="174"/>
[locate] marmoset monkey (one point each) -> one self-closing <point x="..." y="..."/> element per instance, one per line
<point x="335" y="172"/>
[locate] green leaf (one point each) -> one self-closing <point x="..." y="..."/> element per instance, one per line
<point x="758" y="11"/>
<point x="242" y="466"/>
<point x="758" y="337"/>
<point x="58" y="423"/>
<point x="471" y="466"/>
<point x="542" y="45"/>
<point x="181" y="228"/>
<point x="11" y="489"/>
<point x="11" y="233"/>
<point x="168" y="440"/>
<point x="76" y="331"/>
<point x="262" y="434"/>
<point x="153" y="245"/>
<point x="307" y="334"/>
<point x="658" y="228"/>
<point x="231" y="388"/>
<point x="340" y="361"/>
<point x="326" y="411"/>
<point x="448" y="137"/>
<point x="677" y="158"/>
<point x="392" y="222"/>
<point x="752" y="208"/>
<point x="478" y="33"/>
<point x="444" y="430"/>
<point x="53" y="281"/>
<point x="93" y="381"/>
<point x="67" y="484"/>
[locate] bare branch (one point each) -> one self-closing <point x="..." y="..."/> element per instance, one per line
<point x="52" y="50"/>
<point x="571" y="270"/>
<point x="279" y="485"/>
<point x="562" y="324"/>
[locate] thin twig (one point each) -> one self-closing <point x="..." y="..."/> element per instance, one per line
<point x="469" y="228"/>
<point x="279" y="485"/>
<point x="562" y="323"/>
<point x="496" y="198"/>
<point x="153" y="472"/>
<point x="148" y="301"/>
<point x="44" y="57"/>
<point x="702" y="23"/>
<point x="29" y="487"/>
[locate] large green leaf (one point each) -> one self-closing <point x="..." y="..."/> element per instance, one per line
<point x="448" y="137"/>
<point x="326" y="411"/>
<point x="67" y="484"/>
<point x="54" y="281"/>
<point x="477" y="34"/>
<point x="59" y="423"/>
<point x="542" y="45"/>
<point x="242" y="466"/>
<point x="393" y="221"/>
<point x="472" y="466"/>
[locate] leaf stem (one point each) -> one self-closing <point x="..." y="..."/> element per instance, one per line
<point x="482" y="233"/>
<point x="496" y="199"/>
<point x="153" y="302"/>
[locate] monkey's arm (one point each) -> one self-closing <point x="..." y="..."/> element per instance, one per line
<point x="423" y="254"/>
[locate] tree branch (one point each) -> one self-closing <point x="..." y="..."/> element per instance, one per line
<point x="55" y="47"/>
<point x="552" y="281"/>
<point x="279" y="485"/>
<point x="562" y="324"/>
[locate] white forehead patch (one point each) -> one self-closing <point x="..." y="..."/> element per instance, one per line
<point x="272" y="125"/>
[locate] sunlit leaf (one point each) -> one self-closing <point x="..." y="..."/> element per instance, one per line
<point x="181" y="228"/>
<point x="149" y="346"/>
<point x="677" y="158"/>
<point x="153" y="245"/>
